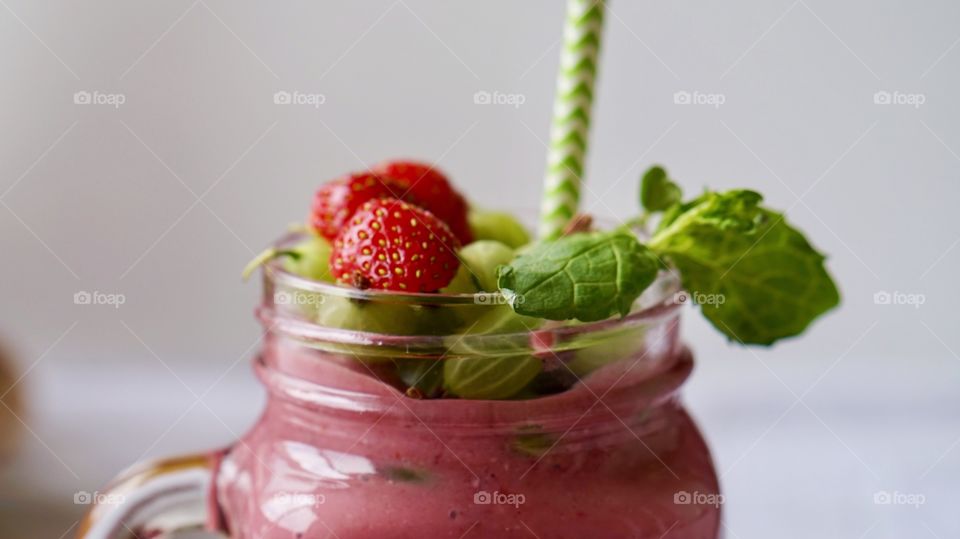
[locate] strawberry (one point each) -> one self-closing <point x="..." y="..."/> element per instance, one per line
<point x="392" y="245"/>
<point x="429" y="188"/>
<point x="335" y="202"/>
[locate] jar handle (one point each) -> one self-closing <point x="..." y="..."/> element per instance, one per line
<point x="156" y="499"/>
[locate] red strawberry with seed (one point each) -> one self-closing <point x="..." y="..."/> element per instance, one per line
<point x="392" y="245"/>
<point x="335" y="202"/>
<point x="429" y="188"/>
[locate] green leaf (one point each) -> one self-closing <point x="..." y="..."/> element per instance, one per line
<point x="657" y="191"/>
<point x="671" y="214"/>
<point x="587" y="276"/>
<point x="757" y="279"/>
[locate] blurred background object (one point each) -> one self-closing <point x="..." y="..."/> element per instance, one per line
<point x="148" y="151"/>
<point x="22" y="514"/>
<point x="10" y="406"/>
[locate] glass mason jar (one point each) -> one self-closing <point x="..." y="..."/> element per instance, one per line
<point x="598" y="445"/>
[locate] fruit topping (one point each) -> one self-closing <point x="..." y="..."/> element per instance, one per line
<point x="427" y="187"/>
<point x="499" y="226"/>
<point x="336" y="201"/>
<point x="389" y="244"/>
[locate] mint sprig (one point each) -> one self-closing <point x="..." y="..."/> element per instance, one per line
<point x="585" y="276"/>
<point x="765" y="280"/>
<point x="657" y="191"/>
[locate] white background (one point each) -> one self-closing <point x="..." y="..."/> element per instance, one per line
<point x="165" y="198"/>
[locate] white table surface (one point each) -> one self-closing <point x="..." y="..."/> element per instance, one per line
<point x="803" y="469"/>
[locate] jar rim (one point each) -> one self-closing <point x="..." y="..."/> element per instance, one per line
<point x="275" y="272"/>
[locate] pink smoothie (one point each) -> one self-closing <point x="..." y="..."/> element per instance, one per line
<point x="339" y="453"/>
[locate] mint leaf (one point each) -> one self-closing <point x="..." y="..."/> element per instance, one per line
<point x="657" y="191"/>
<point x="762" y="279"/>
<point x="587" y="276"/>
<point x="671" y="214"/>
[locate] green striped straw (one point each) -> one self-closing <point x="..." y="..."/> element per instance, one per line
<point x="569" y="133"/>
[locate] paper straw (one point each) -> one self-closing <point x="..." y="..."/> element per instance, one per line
<point x="569" y="133"/>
